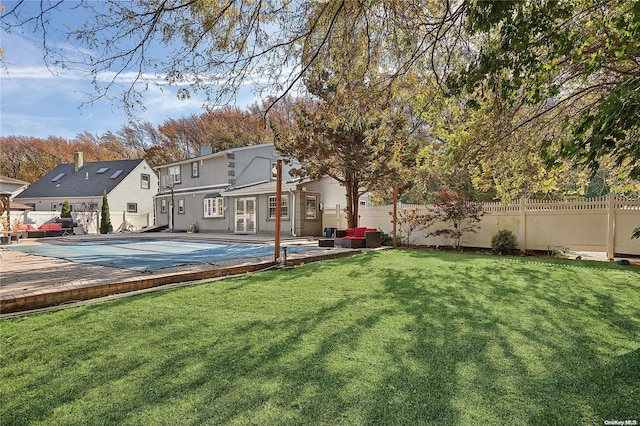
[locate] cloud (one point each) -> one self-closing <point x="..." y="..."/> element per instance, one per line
<point x="40" y="102"/>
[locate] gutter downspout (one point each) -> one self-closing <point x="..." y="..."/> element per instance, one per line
<point x="293" y="213"/>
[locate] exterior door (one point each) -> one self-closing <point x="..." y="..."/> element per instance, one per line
<point x="246" y="215"/>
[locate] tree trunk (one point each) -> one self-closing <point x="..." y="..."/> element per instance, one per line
<point x="353" y="199"/>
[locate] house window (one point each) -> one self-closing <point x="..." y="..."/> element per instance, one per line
<point x="145" y="181"/>
<point x="181" y="206"/>
<point x="311" y="205"/>
<point x="163" y="205"/>
<point x="214" y="207"/>
<point x="93" y="207"/>
<point x="195" y="169"/>
<point x="132" y="207"/>
<point x="274" y="170"/>
<point x="175" y="172"/>
<point x="284" y="207"/>
<point x="54" y="207"/>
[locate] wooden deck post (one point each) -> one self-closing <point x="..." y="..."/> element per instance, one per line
<point x="276" y="254"/>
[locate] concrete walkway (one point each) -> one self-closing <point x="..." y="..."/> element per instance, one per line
<point x="30" y="282"/>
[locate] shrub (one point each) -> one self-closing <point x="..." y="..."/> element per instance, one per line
<point x="105" y="217"/>
<point x="66" y="210"/>
<point x="386" y="239"/>
<point x="411" y="220"/>
<point x="504" y="242"/>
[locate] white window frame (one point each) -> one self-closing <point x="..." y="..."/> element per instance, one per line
<point x="145" y="181"/>
<point x="175" y="172"/>
<point x="213" y="207"/>
<point x="181" y="207"/>
<point x="132" y="207"/>
<point x="195" y="169"/>
<point x="163" y="205"/>
<point x="311" y="209"/>
<point x="284" y="207"/>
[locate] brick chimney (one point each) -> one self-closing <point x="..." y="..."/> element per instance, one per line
<point x="78" y="160"/>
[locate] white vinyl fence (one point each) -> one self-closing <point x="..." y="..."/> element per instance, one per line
<point x="88" y="222"/>
<point x="600" y="224"/>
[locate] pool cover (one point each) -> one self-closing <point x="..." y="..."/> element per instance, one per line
<point x="151" y="255"/>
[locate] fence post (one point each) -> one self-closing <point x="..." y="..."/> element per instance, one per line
<point x="611" y="226"/>
<point x="523" y="226"/>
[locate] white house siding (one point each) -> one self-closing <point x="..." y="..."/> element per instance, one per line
<point x="332" y="193"/>
<point x="130" y="191"/>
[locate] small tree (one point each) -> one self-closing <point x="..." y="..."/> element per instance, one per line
<point x="636" y="233"/>
<point x="105" y="217"/>
<point x="410" y="221"/>
<point x="66" y="210"/>
<point x="453" y="207"/>
<point x="86" y="216"/>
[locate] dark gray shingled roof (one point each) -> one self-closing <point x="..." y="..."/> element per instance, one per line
<point x="86" y="182"/>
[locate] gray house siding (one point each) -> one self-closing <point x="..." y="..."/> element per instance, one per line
<point x="267" y="225"/>
<point x="216" y="173"/>
<point x="240" y="174"/>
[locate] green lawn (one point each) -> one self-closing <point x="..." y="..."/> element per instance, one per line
<point x="394" y="337"/>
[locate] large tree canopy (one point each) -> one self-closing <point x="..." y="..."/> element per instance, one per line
<point x="217" y="45"/>
<point x="578" y="60"/>
<point x="358" y="128"/>
<point x="574" y="62"/>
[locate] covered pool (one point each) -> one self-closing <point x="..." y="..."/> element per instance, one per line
<point x="151" y="255"/>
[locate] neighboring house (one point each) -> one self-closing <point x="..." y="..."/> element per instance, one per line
<point x="9" y="188"/>
<point x="235" y="191"/>
<point x="130" y="186"/>
<point x="12" y="186"/>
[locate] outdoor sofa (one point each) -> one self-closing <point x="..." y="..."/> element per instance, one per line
<point x="359" y="238"/>
<point x="45" y="230"/>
